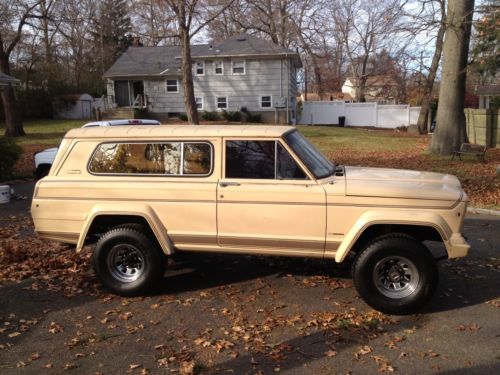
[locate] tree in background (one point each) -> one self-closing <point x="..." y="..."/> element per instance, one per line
<point x="438" y="8"/>
<point x="111" y="31"/>
<point x="191" y="17"/>
<point x="486" y="41"/>
<point x="366" y="27"/>
<point x="450" y="130"/>
<point x="14" y="15"/>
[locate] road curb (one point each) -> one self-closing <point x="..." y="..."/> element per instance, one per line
<point x="482" y="211"/>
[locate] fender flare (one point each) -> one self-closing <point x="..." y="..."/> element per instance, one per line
<point x="133" y="209"/>
<point x="369" y="218"/>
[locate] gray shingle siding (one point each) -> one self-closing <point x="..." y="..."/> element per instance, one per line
<point x="270" y="70"/>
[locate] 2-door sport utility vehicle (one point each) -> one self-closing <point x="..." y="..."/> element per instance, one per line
<point x="146" y="192"/>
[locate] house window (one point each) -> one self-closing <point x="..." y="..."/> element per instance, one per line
<point x="238" y="66"/>
<point x="219" y="68"/>
<point x="266" y="101"/>
<point x="221" y="102"/>
<point x="200" y="68"/>
<point x="199" y="102"/>
<point x="172" y="85"/>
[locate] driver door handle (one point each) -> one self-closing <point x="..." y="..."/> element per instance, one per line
<point x="225" y="184"/>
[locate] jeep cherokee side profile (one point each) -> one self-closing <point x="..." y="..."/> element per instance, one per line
<point x="143" y="193"/>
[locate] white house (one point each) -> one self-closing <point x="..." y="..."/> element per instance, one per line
<point x="242" y="71"/>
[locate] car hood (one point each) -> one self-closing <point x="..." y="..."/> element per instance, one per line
<point x="401" y="183"/>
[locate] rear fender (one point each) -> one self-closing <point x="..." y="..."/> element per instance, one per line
<point x="133" y="209"/>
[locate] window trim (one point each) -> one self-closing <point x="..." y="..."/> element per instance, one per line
<point x="215" y="67"/>
<point x="212" y="160"/>
<point x="244" y="68"/>
<point x="196" y="68"/>
<point x="270" y="102"/>
<point x="176" y="86"/>
<point x="202" y="101"/>
<point x="307" y="174"/>
<point x="217" y="103"/>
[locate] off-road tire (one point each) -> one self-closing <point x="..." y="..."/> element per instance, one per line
<point x="395" y="274"/>
<point x="143" y="263"/>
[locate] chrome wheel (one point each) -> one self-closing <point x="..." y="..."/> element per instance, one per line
<point x="395" y="277"/>
<point x="125" y="263"/>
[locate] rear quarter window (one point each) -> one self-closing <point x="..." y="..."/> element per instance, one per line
<point x="162" y="158"/>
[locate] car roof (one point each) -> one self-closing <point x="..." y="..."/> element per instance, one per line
<point x="144" y="131"/>
<point x="121" y="122"/>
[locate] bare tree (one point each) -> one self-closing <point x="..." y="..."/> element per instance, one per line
<point x="191" y="17"/>
<point x="153" y="22"/>
<point x="365" y="27"/>
<point x="14" y="15"/>
<point x="450" y="123"/>
<point x="431" y="76"/>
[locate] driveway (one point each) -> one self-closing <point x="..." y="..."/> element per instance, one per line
<point x="221" y="314"/>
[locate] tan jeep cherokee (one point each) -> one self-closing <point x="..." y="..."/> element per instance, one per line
<point x="144" y="193"/>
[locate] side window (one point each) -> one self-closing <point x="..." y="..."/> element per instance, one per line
<point x="172" y="85"/>
<point x="169" y="158"/>
<point x="287" y="167"/>
<point x="250" y="159"/>
<point x="260" y="160"/>
<point x="219" y="68"/>
<point x="200" y="68"/>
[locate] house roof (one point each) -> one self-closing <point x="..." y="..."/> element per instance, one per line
<point x="7" y="80"/>
<point x="165" y="60"/>
<point x="194" y="131"/>
<point x="488" y="90"/>
<point x="326" y="96"/>
<point x="379" y="80"/>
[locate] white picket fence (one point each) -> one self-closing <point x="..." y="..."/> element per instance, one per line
<point x="359" y="114"/>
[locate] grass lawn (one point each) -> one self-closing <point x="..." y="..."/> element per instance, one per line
<point x="347" y="146"/>
<point x="45" y="132"/>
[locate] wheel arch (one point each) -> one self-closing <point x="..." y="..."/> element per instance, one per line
<point x="422" y="226"/>
<point x="104" y="216"/>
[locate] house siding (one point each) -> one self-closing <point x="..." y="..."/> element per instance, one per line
<point x="261" y="78"/>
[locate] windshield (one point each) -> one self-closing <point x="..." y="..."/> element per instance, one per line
<point x="317" y="163"/>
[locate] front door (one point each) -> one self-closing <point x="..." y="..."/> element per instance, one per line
<point x="266" y="203"/>
<point x="122" y="93"/>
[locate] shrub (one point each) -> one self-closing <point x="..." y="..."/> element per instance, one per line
<point x="140" y="113"/>
<point x="232" y="116"/>
<point x="254" y="118"/>
<point x="9" y="154"/>
<point x="210" y="116"/>
<point x="183" y="117"/>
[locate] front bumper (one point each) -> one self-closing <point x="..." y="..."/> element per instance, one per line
<point x="457" y="246"/>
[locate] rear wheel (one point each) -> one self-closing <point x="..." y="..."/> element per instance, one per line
<point x="395" y="274"/>
<point x="127" y="261"/>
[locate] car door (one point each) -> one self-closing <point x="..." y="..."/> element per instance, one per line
<point x="267" y="202"/>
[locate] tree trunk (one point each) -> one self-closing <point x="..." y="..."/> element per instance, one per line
<point x="13" y="120"/>
<point x="450" y="123"/>
<point x="187" y="76"/>
<point x="429" y="82"/>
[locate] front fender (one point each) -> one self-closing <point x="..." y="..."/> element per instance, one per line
<point x="406" y="217"/>
<point x="132" y="209"/>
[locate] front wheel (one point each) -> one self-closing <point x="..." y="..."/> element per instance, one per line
<point x="395" y="274"/>
<point x="127" y="261"/>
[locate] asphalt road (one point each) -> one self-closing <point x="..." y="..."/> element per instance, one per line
<point x="221" y="314"/>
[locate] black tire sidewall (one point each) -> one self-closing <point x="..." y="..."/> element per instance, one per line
<point x="402" y="246"/>
<point x="154" y="261"/>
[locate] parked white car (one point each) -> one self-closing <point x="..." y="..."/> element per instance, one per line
<point x="45" y="158"/>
